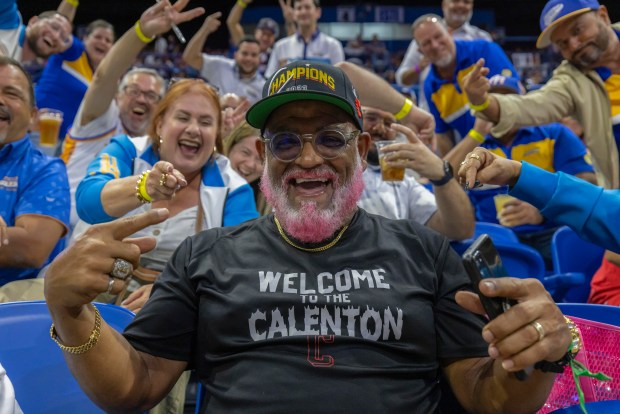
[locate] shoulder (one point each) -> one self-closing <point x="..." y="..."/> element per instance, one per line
<point x="230" y="237"/>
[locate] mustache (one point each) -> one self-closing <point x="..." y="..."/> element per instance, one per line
<point x="6" y="113"/>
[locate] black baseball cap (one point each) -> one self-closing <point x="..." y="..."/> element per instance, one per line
<point x="306" y="80"/>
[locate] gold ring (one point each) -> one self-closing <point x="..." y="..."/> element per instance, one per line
<point x="463" y="162"/>
<point x="163" y="179"/>
<point x="539" y="328"/>
<point x="110" y="286"/>
<point x="475" y="156"/>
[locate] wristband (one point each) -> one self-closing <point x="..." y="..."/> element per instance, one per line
<point x="416" y="69"/>
<point x="404" y="111"/>
<point x="484" y="105"/>
<point x="73" y="3"/>
<point x="144" y="38"/>
<point x="92" y="339"/>
<point x="476" y="136"/>
<point x="141" y="193"/>
<point x="242" y="4"/>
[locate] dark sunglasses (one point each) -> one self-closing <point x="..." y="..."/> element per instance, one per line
<point x="329" y="143"/>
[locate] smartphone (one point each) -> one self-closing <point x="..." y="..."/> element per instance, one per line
<point x="481" y="261"/>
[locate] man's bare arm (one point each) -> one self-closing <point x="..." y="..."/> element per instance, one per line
<point x="192" y="55"/>
<point x="31" y="241"/>
<point x="233" y="22"/>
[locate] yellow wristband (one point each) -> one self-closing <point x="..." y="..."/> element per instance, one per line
<point x="73" y="3"/>
<point x="242" y="4"/>
<point x="141" y="193"/>
<point x="484" y="105"/>
<point x="141" y="34"/>
<point x="477" y="136"/>
<point x="404" y="111"/>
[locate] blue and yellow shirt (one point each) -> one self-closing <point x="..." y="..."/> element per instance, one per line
<point x="446" y="99"/>
<point x="31" y="183"/>
<point x="551" y="147"/>
<point x="612" y="85"/>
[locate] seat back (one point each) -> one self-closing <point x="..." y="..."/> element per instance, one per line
<point x="600" y="353"/>
<point x="34" y="363"/>
<point x="497" y="233"/>
<point x="521" y="260"/>
<point x="571" y="253"/>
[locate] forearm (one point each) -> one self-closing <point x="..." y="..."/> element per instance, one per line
<point x="104" y="85"/>
<point x="68" y="9"/>
<point x="118" y="196"/>
<point x="117" y="390"/>
<point x="455" y="215"/>
<point x="192" y="55"/>
<point x="410" y="76"/>
<point x="492" y="112"/>
<point x="233" y="23"/>
<point x="22" y="251"/>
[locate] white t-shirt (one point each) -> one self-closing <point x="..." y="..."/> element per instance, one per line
<point x="224" y="73"/>
<point x="8" y="403"/>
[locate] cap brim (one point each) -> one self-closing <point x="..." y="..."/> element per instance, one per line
<point x="258" y="113"/>
<point x="544" y="39"/>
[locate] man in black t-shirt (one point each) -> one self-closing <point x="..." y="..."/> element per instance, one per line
<point x="319" y="307"/>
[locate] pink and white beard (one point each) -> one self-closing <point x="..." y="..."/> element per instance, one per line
<point x="310" y="224"/>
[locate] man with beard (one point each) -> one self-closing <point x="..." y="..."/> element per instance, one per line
<point x="34" y="191"/>
<point x="586" y="85"/>
<point x="319" y="307"/>
<point x="110" y="108"/>
<point x="44" y="35"/>
<point x="456" y="15"/>
<point x="450" y="60"/>
<point x="446" y="210"/>
<point x="239" y="75"/>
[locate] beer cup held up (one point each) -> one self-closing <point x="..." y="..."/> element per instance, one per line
<point x="389" y="173"/>
<point x="49" y="126"/>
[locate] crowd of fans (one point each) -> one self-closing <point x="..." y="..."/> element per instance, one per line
<point x="152" y="122"/>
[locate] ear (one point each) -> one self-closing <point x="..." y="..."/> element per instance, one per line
<point x="33" y="20"/>
<point x="363" y="144"/>
<point x="602" y="12"/>
<point x="260" y="147"/>
<point x="158" y="126"/>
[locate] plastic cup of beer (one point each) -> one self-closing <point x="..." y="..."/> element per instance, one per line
<point x="49" y="126"/>
<point x="389" y="173"/>
<point x="500" y="202"/>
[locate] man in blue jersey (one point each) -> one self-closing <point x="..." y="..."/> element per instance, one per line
<point x="42" y="36"/>
<point x="34" y="190"/>
<point x="450" y="61"/>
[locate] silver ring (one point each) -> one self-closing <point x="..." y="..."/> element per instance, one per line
<point x="122" y="269"/>
<point x="539" y="328"/>
<point x="110" y="286"/>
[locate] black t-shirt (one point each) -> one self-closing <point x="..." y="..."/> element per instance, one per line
<point x="361" y="327"/>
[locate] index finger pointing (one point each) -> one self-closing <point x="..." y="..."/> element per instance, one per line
<point x="475" y="73"/>
<point x="127" y="226"/>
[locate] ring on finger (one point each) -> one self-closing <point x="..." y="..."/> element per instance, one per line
<point x="122" y="269"/>
<point x="464" y="162"/>
<point x="539" y="328"/>
<point x="163" y="179"/>
<point x="110" y="285"/>
<point x="475" y="156"/>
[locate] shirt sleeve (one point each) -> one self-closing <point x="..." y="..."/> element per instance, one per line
<point x="115" y="161"/>
<point x="412" y="58"/>
<point x="240" y="206"/>
<point x="336" y="52"/>
<point x="9" y="15"/>
<point x="569" y="153"/>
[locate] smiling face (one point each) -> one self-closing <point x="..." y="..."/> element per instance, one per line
<point x="312" y="196"/>
<point x="48" y="35"/>
<point x="244" y="158"/>
<point x="136" y="102"/>
<point x="188" y="132"/>
<point x="97" y="44"/>
<point x="247" y="58"/>
<point x="377" y="123"/>
<point x="435" y="43"/>
<point x="583" y="40"/>
<point x="457" y="12"/>
<point x="306" y="14"/>
<point x="16" y="108"/>
<point x="266" y="38"/>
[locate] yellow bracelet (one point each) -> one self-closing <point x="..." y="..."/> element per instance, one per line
<point x="476" y="136"/>
<point x="141" y="193"/>
<point x="92" y="339"/>
<point x="484" y="105"/>
<point x="242" y="4"/>
<point x="144" y="38"/>
<point x="404" y="111"/>
<point x="73" y="3"/>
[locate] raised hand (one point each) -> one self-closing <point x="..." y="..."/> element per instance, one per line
<point x="212" y="22"/>
<point x="476" y="84"/>
<point x="163" y="181"/>
<point x="158" y="19"/>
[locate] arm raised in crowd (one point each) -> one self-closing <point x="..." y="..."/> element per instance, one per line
<point x="233" y="21"/>
<point x="71" y="283"/>
<point x="192" y="55"/>
<point x="155" y="20"/>
<point x="68" y="9"/>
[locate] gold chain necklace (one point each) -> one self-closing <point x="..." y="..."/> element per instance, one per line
<point x="305" y="249"/>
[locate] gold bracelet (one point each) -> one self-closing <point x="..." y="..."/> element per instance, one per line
<point x="242" y="4"/>
<point x="73" y="3"/>
<point x="576" y="344"/>
<point x="92" y="339"/>
<point x="476" y="136"/>
<point x="141" y="193"/>
<point x="484" y="105"/>
<point x="144" y="38"/>
<point x="404" y="111"/>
